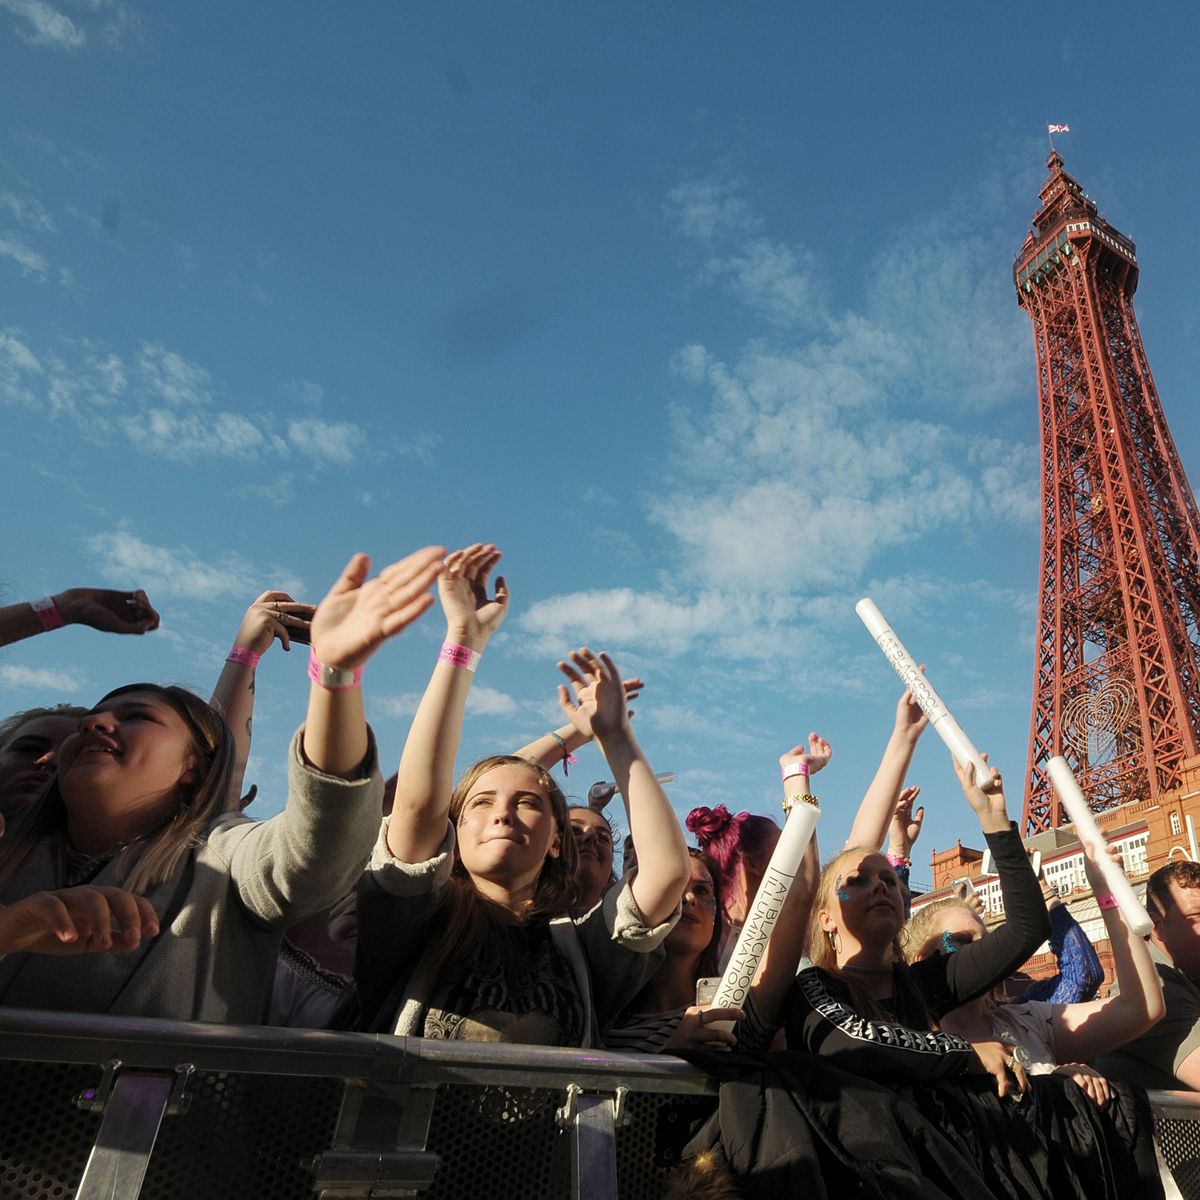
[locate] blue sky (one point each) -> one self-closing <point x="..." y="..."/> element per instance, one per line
<point x="703" y="313"/>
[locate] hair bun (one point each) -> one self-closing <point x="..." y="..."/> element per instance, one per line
<point x="708" y="823"/>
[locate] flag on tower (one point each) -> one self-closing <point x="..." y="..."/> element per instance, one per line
<point x="1059" y="128"/>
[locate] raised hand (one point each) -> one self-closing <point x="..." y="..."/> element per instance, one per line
<point x="107" y="610"/>
<point x="360" y="614"/>
<point x="78" y="920"/>
<point x="275" y="615"/>
<point x="985" y="796"/>
<point x="816" y="754"/>
<point x="1091" y="864"/>
<point x="471" y="615"/>
<point x="910" y="720"/>
<point x="906" y="824"/>
<point x="599" y="706"/>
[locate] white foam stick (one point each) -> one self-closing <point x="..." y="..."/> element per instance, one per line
<point x="1086" y="829"/>
<point x="764" y="912"/>
<point x="944" y="725"/>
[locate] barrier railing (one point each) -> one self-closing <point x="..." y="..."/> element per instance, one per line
<point x="118" y="1108"/>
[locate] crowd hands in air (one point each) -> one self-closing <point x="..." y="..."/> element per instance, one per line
<point x="488" y="907"/>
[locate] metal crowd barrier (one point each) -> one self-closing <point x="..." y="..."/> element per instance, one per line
<point x="101" y="1107"/>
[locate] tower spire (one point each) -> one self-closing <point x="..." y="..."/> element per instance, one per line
<point x="1117" y="662"/>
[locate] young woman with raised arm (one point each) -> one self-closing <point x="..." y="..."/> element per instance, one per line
<point x="1044" y="1035"/>
<point x="129" y="860"/>
<point x="464" y="925"/>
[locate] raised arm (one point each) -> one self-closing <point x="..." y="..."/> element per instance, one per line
<point x="273" y="615"/>
<point x="875" y="812"/>
<point x="786" y="945"/>
<point x="101" y="608"/>
<point x="1082" y="1031"/>
<point x="559" y="745"/>
<point x="426" y="776"/>
<point x="599" y="709"/>
<point x="356" y="617"/>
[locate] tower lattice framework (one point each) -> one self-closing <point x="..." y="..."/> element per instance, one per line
<point x="1116" y="686"/>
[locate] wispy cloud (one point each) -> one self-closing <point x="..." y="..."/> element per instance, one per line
<point x="14" y="676"/>
<point x="27" y="211"/>
<point x="27" y="258"/>
<point x="127" y="560"/>
<point x="44" y="25"/>
<point x="107" y="23"/>
<point x="330" y="441"/>
<point x="482" y="701"/>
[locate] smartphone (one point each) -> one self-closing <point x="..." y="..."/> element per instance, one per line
<point x="706" y="988"/>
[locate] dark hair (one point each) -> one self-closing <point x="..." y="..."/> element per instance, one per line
<point x="709" y="962"/>
<point x="612" y="873"/>
<point x="199" y="800"/>
<point x="471" y="919"/>
<point x="1182" y="872"/>
<point x="731" y="842"/>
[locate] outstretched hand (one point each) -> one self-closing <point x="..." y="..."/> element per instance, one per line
<point x="275" y="615"/>
<point x="462" y="588"/>
<point x="911" y="720"/>
<point x="600" y="704"/>
<point x="985" y="796"/>
<point x="107" y="610"/>
<point x="1091" y="864"/>
<point x="816" y="754"/>
<point x="906" y="824"/>
<point x="78" y="920"/>
<point x="360" y="614"/>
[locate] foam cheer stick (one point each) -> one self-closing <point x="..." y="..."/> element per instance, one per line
<point x="1086" y="829"/>
<point x="932" y="705"/>
<point x="768" y="903"/>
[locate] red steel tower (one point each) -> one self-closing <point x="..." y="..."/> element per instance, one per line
<point x="1116" y="687"/>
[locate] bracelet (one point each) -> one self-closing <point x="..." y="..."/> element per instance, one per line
<point x="789" y="802"/>
<point x="47" y="612"/>
<point x="244" y="655"/>
<point x="799" y="767"/>
<point x="567" y="757"/>
<point x="332" y="679"/>
<point x="898" y="860"/>
<point x="459" y="656"/>
<point x="1107" y="901"/>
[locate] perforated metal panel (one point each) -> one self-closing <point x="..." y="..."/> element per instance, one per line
<point x="1179" y="1142"/>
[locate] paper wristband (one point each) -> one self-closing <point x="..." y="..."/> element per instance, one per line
<point x="795" y="768"/>
<point x="459" y="656"/>
<point x="332" y="679"/>
<point x="243" y="655"/>
<point x="47" y="613"/>
<point x="1109" y="901"/>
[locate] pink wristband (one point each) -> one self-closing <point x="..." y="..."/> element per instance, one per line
<point x="47" y="612"/>
<point x="1109" y="901"/>
<point x="796" y="768"/>
<point x="459" y="656"/>
<point x="898" y="860"/>
<point x="332" y="679"/>
<point x="243" y="655"/>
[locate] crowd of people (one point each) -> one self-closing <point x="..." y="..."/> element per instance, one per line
<point x="488" y="908"/>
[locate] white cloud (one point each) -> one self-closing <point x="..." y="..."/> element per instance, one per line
<point x="27" y="211"/>
<point x="28" y="259"/>
<point x="403" y="704"/>
<point x="171" y="378"/>
<point x="331" y="441"/>
<point x="14" y="676"/>
<point x="126" y="560"/>
<point x="482" y="701"/>
<point x="46" y="25"/>
<point x="184" y="436"/>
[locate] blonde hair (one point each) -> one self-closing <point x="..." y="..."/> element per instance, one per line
<point x="923" y="924"/>
<point x="198" y="801"/>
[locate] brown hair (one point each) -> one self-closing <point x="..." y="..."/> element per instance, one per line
<point x="11" y="727"/>
<point x="471" y="919"/>
<point x="200" y="800"/>
<point x="1182" y="872"/>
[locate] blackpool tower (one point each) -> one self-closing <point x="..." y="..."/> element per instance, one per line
<point x="1116" y="685"/>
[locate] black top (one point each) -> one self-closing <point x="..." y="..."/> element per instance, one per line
<point x="821" y="1020"/>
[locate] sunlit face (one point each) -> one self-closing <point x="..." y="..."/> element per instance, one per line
<point x="956" y="929"/>
<point x="593" y="839"/>
<point x="130" y="751"/>
<point x="506" y="827"/>
<point x="866" y="902"/>
<point x="694" y="930"/>
<point x="28" y="759"/>
<point x="1179" y="930"/>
